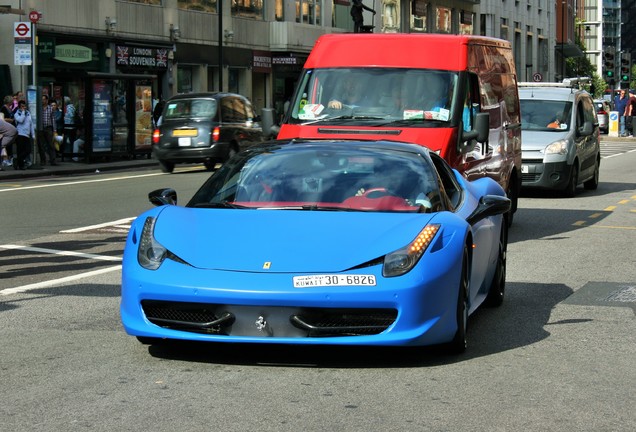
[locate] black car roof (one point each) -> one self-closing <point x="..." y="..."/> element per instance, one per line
<point x="205" y="95"/>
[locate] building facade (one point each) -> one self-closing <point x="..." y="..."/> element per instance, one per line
<point x="116" y="58"/>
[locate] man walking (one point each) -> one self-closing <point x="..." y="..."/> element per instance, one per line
<point x="620" y="104"/>
<point x="45" y="136"/>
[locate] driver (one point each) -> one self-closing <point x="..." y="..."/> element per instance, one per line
<point x="353" y="94"/>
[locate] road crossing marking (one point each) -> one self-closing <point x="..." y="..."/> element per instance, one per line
<point x="121" y="223"/>
<point x="61" y="252"/>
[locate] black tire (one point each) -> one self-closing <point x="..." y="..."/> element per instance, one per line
<point x="232" y="151"/>
<point x="458" y="344"/>
<point x="592" y="184"/>
<point x="209" y="164"/>
<point x="513" y="194"/>
<point x="570" y="189"/>
<point x="497" y="289"/>
<point x="166" y="166"/>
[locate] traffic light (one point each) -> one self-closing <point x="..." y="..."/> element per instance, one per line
<point x="609" y="67"/>
<point x="626" y="68"/>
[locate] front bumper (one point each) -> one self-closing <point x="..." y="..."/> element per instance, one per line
<point x="551" y="175"/>
<point x="184" y="303"/>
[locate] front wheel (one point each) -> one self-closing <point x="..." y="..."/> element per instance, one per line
<point x="570" y="189"/>
<point x="592" y="184"/>
<point x="458" y="344"/>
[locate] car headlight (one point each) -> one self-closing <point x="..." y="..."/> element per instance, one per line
<point x="403" y="260"/>
<point x="150" y="253"/>
<point x="558" y="147"/>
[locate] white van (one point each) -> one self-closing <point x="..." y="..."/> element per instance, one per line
<point x="560" y="138"/>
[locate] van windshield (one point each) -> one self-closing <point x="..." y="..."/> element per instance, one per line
<point x="545" y="115"/>
<point x="188" y="108"/>
<point x="360" y="95"/>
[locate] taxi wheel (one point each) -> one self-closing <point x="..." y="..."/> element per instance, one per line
<point x="166" y="166"/>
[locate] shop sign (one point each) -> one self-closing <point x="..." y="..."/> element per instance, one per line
<point x="289" y="60"/>
<point x="262" y="61"/>
<point x="69" y="53"/>
<point x="142" y="57"/>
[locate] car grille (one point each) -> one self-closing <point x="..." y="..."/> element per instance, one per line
<point x="530" y="178"/>
<point x="252" y="320"/>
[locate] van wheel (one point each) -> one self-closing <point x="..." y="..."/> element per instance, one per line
<point x="209" y="164"/>
<point x="166" y="166"/>
<point x="513" y="194"/>
<point x="570" y="189"/>
<point x="592" y="184"/>
<point x="495" y="295"/>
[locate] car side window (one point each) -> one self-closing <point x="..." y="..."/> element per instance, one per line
<point x="450" y="191"/>
<point x="233" y="110"/>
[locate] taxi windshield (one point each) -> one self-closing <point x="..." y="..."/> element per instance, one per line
<point x="371" y="94"/>
<point x="188" y="108"/>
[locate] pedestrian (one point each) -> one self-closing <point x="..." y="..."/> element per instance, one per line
<point x="631" y="112"/>
<point x="7" y="114"/>
<point x="45" y="136"/>
<point x="58" y="116"/>
<point x="26" y="132"/>
<point x="8" y="134"/>
<point x="357" y="7"/>
<point x="620" y="105"/>
<point x="17" y="96"/>
<point x="70" y="124"/>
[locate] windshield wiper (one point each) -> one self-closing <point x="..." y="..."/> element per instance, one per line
<point x="312" y="207"/>
<point x="222" y="204"/>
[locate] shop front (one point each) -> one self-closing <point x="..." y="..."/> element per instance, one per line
<point x="114" y="108"/>
<point x="286" y="67"/>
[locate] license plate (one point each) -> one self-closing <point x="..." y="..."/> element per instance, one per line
<point x="185" y="142"/>
<point x="185" y="132"/>
<point x="333" y="280"/>
<point x="524" y="169"/>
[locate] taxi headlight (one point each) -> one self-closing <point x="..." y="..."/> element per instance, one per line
<point x="558" y="147"/>
<point x="403" y="260"/>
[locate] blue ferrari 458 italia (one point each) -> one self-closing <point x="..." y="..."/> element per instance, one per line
<point x="319" y="242"/>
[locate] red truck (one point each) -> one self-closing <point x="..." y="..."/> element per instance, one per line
<point x="455" y="94"/>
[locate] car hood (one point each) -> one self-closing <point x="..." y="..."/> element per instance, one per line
<point x="538" y="140"/>
<point x="290" y="240"/>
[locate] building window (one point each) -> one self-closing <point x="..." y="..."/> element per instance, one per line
<point x="184" y="79"/>
<point x="198" y="5"/>
<point x="280" y="10"/>
<point x="466" y="22"/>
<point x="308" y="11"/>
<point x="149" y="2"/>
<point x="443" y="19"/>
<point x="248" y="8"/>
<point x="504" y="29"/>
<point x="419" y="11"/>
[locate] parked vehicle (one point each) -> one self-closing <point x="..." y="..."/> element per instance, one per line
<point x="455" y="94"/>
<point x="561" y="138"/>
<point x="204" y="128"/>
<point x="602" y="113"/>
<point x="319" y="243"/>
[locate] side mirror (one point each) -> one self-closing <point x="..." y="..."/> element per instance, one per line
<point x="489" y="205"/>
<point x="586" y="129"/>
<point x="479" y="132"/>
<point x="267" y="123"/>
<point x="161" y="197"/>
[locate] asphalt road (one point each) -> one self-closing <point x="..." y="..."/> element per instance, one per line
<point x="558" y="355"/>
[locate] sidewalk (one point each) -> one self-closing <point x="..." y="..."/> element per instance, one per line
<point x="70" y="168"/>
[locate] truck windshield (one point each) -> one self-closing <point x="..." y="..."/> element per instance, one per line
<point x="362" y="94"/>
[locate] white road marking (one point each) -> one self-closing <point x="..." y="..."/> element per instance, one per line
<point x="81" y="182"/>
<point x="126" y="222"/>
<point x="59" y="281"/>
<point x="61" y="252"/>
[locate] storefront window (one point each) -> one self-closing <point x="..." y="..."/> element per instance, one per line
<point x="308" y="11"/>
<point x="143" y="115"/>
<point x="150" y="2"/>
<point x="419" y="9"/>
<point x="198" y="5"/>
<point x="102" y="116"/>
<point x="248" y="8"/>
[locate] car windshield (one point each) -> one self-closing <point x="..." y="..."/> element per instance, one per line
<point x="545" y="115"/>
<point x="362" y="95"/>
<point x="323" y="177"/>
<point x="181" y="108"/>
